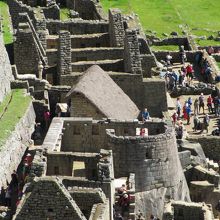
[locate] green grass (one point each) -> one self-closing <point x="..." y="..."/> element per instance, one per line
<point x="165" y="47"/>
<point x="14" y="113"/>
<point x="204" y="43"/>
<point x="6" y="22"/>
<point x="218" y="63"/>
<point x="64" y="14"/>
<point x="165" y="16"/>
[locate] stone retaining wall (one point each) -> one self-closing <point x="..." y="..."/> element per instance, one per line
<point x="175" y="41"/>
<point x="15" y="146"/>
<point x="5" y="70"/>
<point x="210" y="146"/>
<point x="77" y="26"/>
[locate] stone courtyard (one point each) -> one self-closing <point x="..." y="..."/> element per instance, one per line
<point x="92" y="135"/>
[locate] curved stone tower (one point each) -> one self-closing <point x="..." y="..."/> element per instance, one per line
<point x="155" y="162"/>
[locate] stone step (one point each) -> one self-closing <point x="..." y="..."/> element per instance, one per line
<point x="131" y="207"/>
<point x="90" y="40"/>
<point x="97" y="53"/>
<point x="88" y="49"/>
<point x="94" y="35"/>
<point x="107" y="65"/>
<point x="132" y="216"/>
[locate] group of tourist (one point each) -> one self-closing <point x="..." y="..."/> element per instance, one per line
<point x="185" y="112"/>
<point x="122" y="204"/>
<point x="182" y="77"/>
<point x="12" y="194"/>
<point x="182" y="53"/>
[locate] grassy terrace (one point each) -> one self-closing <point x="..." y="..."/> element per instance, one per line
<point x="200" y="17"/>
<point x="165" y="47"/>
<point x="6" y="22"/>
<point x="64" y="14"/>
<point x="14" y="112"/>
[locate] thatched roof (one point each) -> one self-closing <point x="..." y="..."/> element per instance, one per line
<point x="98" y="87"/>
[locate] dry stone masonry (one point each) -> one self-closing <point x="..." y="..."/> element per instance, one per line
<point x="95" y="73"/>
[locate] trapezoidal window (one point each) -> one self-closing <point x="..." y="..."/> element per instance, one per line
<point x="180" y="212"/>
<point x="95" y="130"/>
<point x="126" y="131"/>
<point x="56" y="171"/>
<point x="76" y="130"/>
<point x="148" y="154"/>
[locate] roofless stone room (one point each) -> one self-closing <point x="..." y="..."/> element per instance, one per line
<point x="109" y="110"/>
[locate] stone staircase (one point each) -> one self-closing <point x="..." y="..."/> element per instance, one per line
<point x="94" y="48"/>
<point x="212" y="165"/>
<point x="130" y="215"/>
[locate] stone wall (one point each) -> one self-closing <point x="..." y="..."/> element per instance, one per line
<point x="57" y="94"/>
<point x="82" y="107"/>
<point x="129" y="153"/>
<point x="154" y="96"/>
<point x="16" y="7"/>
<point x="84" y="134"/>
<point x="5" y="70"/>
<point x="47" y="198"/>
<point x="52" y="56"/>
<point x="203" y="191"/>
<point x="210" y="146"/>
<point x="176" y="58"/>
<point x="212" y="63"/>
<point x="185" y="158"/>
<point x="15" y="146"/>
<point x="144" y="155"/>
<point x="131" y="84"/>
<point x="116" y="28"/>
<point x="151" y="158"/>
<point x="106" y="186"/>
<point x="88" y="10"/>
<point x="26" y="51"/>
<point x="51" y="12"/>
<point x="96" y="40"/>
<point x="62" y="164"/>
<point x="64" y="53"/>
<point x="86" y="198"/>
<point x="94" y="54"/>
<point x="202" y="174"/>
<point x="188" y="211"/>
<point x="77" y="26"/>
<point x="148" y="61"/>
<point x="179" y="41"/>
<point x="132" y="62"/>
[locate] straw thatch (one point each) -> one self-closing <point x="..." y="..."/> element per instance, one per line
<point x="98" y="87"/>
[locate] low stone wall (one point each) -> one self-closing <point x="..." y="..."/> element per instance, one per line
<point x="210" y="146"/>
<point x="174" y="41"/>
<point x="13" y="150"/>
<point x="52" y="12"/>
<point x="216" y="56"/>
<point x="88" y="10"/>
<point x="212" y="64"/>
<point x="16" y="7"/>
<point x="77" y="26"/>
<point x="161" y="55"/>
<point x="196" y="89"/>
<point x="5" y="70"/>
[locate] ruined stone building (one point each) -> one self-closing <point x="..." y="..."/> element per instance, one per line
<point x="106" y="73"/>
